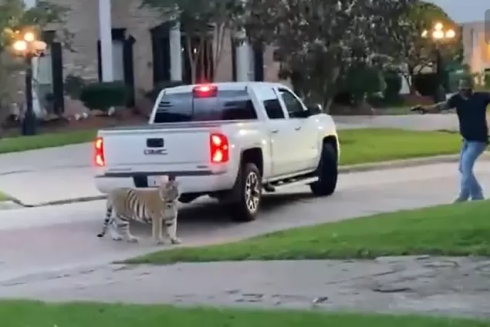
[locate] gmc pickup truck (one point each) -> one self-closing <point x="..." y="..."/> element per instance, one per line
<point x="230" y="141"/>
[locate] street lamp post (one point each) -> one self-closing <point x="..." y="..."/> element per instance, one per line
<point x="439" y="34"/>
<point x="28" y="47"/>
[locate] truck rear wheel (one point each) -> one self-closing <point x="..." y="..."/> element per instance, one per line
<point x="327" y="172"/>
<point x="247" y="194"/>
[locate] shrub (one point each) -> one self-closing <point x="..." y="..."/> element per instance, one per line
<point x="362" y="81"/>
<point x="105" y="95"/>
<point x="393" y="81"/>
<point x="425" y="84"/>
<point x="73" y="86"/>
<point x="153" y="93"/>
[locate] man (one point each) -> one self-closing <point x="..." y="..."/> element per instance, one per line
<point x="471" y="110"/>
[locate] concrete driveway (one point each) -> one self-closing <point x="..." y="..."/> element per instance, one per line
<point x="55" y="237"/>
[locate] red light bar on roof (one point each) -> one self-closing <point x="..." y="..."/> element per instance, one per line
<point x="205" y="91"/>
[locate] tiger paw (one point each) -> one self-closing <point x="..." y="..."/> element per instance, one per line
<point x="175" y="240"/>
<point x="133" y="239"/>
<point x="159" y="241"/>
<point x="117" y="238"/>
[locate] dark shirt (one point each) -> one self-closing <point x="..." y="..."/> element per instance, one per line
<point x="472" y="115"/>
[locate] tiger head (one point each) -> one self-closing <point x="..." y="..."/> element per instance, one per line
<point x="169" y="189"/>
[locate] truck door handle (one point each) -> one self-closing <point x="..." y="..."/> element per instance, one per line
<point x="297" y="128"/>
<point x="275" y="131"/>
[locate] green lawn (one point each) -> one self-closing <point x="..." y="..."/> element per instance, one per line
<point x="41" y="141"/>
<point x="375" y="145"/>
<point x="456" y="229"/>
<point x="358" y="146"/>
<point x="37" y="314"/>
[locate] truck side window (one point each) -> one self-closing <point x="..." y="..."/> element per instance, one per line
<point x="293" y="105"/>
<point x="273" y="109"/>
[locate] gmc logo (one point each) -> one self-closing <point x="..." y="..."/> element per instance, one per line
<point x="151" y="152"/>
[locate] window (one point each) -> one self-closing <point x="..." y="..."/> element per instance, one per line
<point x="293" y="105"/>
<point x="273" y="109"/>
<point x="226" y="105"/>
<point x="118" y="60"/>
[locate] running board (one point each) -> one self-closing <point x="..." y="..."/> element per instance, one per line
<point x="275" y="186"/>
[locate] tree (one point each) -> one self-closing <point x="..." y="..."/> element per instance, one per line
<point x="416" y="52"/>
<point x="204" y="23"/>
<point x="14" y="16"/>
<point x="320" y="42"/>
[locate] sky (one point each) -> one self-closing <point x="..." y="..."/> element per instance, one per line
<point x="465" y="11"/>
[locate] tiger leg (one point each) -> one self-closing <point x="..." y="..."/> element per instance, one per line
<point x="114" y="230"/>
<point x="156" y="230"/>
<point x="171" y="228"/>
<point x="107" y="220"/>
<point x="122" y="226"/>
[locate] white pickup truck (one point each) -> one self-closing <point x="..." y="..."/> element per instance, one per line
<point x="230" y="141"/>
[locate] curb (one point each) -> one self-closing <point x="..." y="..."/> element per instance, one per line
<point x="9" y="205"/>
<point x="404" y="163"/>
<point x="384" y="165"/>
<point x="70" y="201"/>
<point x="393" y="164"/>
<point x="16" y="203"/>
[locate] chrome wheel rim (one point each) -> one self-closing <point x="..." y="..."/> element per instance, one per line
<point x="252" y="192"/>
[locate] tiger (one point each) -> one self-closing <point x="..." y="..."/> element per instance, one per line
<point x="155" y="206"/>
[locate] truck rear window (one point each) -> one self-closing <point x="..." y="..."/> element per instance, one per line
<point x="184" y="107"/>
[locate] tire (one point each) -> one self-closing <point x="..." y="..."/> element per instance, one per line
<point x="242" y="208"/>
<point x="327" y="172"/>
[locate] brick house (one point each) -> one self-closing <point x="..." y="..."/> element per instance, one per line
<point x="145" y="51"/>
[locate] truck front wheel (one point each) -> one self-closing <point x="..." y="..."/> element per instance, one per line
<point x="327" y="172"/>
<point x="247" y="194"/>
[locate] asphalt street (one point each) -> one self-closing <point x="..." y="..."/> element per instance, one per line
<point x="56" y="237"/>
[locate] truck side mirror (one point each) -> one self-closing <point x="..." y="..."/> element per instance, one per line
<point x="315" y="109"/>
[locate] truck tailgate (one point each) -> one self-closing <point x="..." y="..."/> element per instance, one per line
<point x="162" y="148"/>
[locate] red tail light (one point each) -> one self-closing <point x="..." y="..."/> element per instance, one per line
<point x="99" y="152"/>
<point x="219" y="147"/>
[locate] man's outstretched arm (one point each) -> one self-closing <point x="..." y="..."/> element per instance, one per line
<point x="434" y="108"/>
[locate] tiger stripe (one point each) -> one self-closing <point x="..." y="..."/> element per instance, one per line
<point x="156" y="206"/>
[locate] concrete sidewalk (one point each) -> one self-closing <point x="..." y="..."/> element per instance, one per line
<point x="70" y="156"/>
<point x="48" y="186"/>
<point x="440" y="286"/>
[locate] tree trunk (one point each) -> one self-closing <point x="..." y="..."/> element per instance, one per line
<point x="329" y="95"/>
<point x="217" y="52"/>
<point x="410" y="78"/>
<point x="192" y="58"/>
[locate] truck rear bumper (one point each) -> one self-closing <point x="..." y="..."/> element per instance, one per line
<point x="197" y="182"/>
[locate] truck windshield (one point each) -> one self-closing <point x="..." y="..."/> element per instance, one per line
<point x="226" y="105"/>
